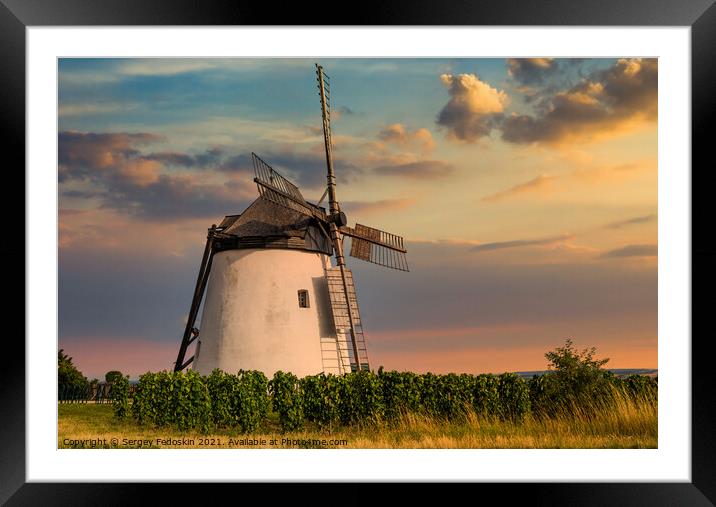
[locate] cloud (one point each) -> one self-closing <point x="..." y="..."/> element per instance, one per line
<point x="399" y="134"/>
<point x="474" y="108"/>
<point x="86" y="109"/>
<point x="112" y="170"/>
<point x="340" y="112"/>
<point x="531" y="71"/>
<point x="532" y="185"/>
<point x="423" y="170"/>
<point x="631" y="221"/>
<point x="372" y="207"/>
<point x="520" y="243"/>
<point x="82" y="154"/>
<point x="210" y="157"/>
<point x="172" y="197"/>
<point x="307" y="170"/>
<point x="632" y="251"/>
<point x="604" y="102"/>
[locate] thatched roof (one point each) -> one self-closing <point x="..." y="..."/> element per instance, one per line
<point x="265" y="224"/>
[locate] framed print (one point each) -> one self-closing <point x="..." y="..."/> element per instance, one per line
<point x="527" y="194"/>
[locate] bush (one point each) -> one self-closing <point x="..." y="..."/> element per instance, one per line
<point x="641" y="386"/>
<point x="253" y="402"/>
<point x="119" y="394"/>
<point x="152" y="398"/>
<point x="486" y="396"/>
<point x="238" y="400"/>
<point x="578" y="376"/>
<point x="400" y="393"/>
<point x="191" y="404"/>
<point x="188" y="400"/>
<point x="514" y="397"/>
<point x="360" y="398"/>
<point x="113" y="375"/>
<point x="454" y="395"/>
<point x="68" y="374"/>
<point x="545" y="395"/>
<point x="166" y="398"/>
<point x="320" y="395"/>
<point x="287" y="400"/>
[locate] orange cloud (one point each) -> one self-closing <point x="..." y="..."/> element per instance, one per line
<point x="397" y="133"/>
<point x="608" y="102"/>
<point x="474" y="108"/>
<point x="532" y="185"/>
<point x="371" y="207"/>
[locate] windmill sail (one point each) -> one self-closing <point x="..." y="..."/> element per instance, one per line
<point x="376" y="246"/>
<point x="276" y="188"/>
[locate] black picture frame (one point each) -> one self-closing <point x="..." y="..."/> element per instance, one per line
<point x="700" y="15"/>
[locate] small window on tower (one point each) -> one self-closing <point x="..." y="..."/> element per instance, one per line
<point x="303" y="299"/>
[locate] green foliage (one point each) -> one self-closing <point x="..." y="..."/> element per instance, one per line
<point x="320" y="395"/>
<point x="188" y="400"/>
<point x="545" y="395"/>
<point x="67" y="373"/>
<point x="113" y="375"/>
<point x="287" y="400"/>
<point x="456" y="395"/>
<point x="486" y="396"/>
<point x="253" y="400"/>
<point x="579" y="377"/>
<point x="152" y="397"/>
<point x="178" y="399"/>
<point x="514" y="396"/>
<point x="119" y="394"/>
<point x="641" y="386"/>
<point x="400" y="392"/>
<point x="360" y="398"/>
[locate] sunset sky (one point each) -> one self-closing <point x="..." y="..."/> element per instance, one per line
<point x="526" y="190"/>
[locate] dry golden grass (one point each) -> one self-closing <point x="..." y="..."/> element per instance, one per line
<point x="626" y="424"/>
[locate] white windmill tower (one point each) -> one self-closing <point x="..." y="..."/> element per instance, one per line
<point x="273" y="300"/>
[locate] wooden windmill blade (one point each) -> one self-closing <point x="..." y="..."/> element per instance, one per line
<point x="376" y="246"/>
<point x="280" y="190"/>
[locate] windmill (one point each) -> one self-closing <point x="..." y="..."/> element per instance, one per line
<point x="274" y="300"/>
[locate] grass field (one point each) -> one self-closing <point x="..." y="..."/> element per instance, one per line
<point x="629" y="424"/>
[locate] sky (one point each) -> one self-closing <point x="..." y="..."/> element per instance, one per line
<point x="525" y="189"/>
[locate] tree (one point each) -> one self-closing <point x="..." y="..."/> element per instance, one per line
<point x="577" y="373"/>
<point x="67" y="373"/>
<point x="113" y="376"/>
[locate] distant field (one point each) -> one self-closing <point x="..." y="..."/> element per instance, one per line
<point x="629" y="425"/>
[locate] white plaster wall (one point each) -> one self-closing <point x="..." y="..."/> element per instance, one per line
<point x="251" y="318"/>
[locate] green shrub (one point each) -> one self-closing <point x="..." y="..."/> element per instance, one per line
<point x="360" y="398"/>
<point x="514" y="396"/>
<point x="429" y="388"/>
<point x="253" y="400"/>
<point x="119" y="394"/>
<point x="641" y="386"/>
<point x="152" y="397"/>
<point x="320" y="395"/>
<point x="400" y="392"/>
<point x="486" y="396"/>
<point x="287" y="400"/>
<point x="454" y="395"/>
<point x="179" y="399"/>
<point x="190" y="402"/>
